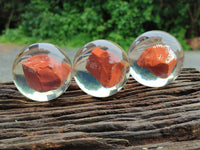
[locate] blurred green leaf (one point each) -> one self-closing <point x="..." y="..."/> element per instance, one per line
<point x="118" y="20"/>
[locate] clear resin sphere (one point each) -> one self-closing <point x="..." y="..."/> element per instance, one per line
<point x="156" y="58"/>
<point x="42" y="72"/>
<point x="101" y="68"/>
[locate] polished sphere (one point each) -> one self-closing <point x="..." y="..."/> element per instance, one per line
<point x="42" y="72"/>
<point x="156" y="58"/>
<point x="101" y="68"/>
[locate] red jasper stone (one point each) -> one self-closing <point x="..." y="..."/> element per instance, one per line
<point x="105" y="66"/>
<point x="44" y="73"/>
<point x="159" y="59"/>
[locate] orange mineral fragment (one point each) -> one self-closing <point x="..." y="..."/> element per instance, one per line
<point x="159" y="59"/>
<point x="105" y="67"/>
<point x="44" y="73"/>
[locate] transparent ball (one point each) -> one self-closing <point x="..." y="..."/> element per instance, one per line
<point x="42" y="72"/>
<point x="101" y="68"/>
<point x="156" y="58"/>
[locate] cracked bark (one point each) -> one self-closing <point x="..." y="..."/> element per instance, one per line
<point x="136" y="117"/>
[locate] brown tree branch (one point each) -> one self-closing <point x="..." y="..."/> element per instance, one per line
<point x="9" y="19"/>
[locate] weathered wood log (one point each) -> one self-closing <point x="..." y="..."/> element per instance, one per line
<point x="137" y="117"/>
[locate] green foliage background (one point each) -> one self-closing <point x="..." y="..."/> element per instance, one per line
<point x="73" y="23"/>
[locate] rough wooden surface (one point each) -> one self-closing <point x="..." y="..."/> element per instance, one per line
<point x="137" y="117"/>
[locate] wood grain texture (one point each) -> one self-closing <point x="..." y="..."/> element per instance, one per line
<point x="137" y="117"/>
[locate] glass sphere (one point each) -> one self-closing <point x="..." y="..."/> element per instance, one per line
<point x="156" y="58"/>
<point x="42" y="72"/>
<point x="101" y="68"/>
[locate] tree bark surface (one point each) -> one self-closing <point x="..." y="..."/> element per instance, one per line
<point x="136" y="118"/>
